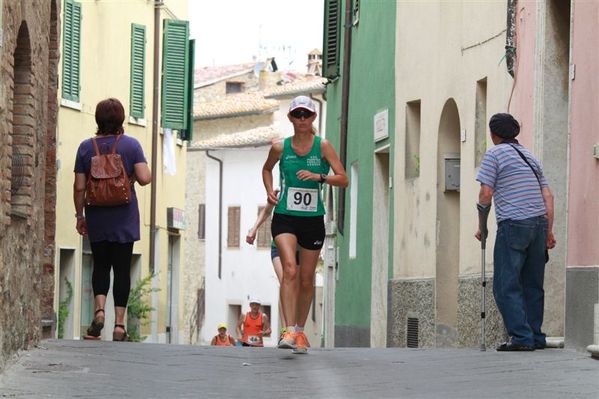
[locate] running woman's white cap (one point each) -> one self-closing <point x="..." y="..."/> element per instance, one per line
<point x="255" y="300"/>
<point x="302" y="102"/>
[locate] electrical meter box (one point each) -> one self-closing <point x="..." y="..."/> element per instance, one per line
<point x="452" y="172"/>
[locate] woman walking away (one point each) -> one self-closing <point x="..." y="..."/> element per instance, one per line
<point x="304" y="162"/>
<point x="106" y="168"/>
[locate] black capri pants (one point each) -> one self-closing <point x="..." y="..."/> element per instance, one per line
<point x="117" y="256"/>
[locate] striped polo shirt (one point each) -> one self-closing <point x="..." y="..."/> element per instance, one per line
<point x="517" y="194"/>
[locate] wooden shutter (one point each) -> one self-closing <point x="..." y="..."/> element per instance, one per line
<point x="263" y="236"/>
<point x="187" y="133"/>
<point x="138" y="71"/>
<point x="234" y="213"/>
<point x="332" y="23"/>
<point x="202" y="221"/>
<point x="175" y="64"/>
<point x="71" y="50"/>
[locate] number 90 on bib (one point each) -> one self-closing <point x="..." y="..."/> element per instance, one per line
<point x="302" y="199"/>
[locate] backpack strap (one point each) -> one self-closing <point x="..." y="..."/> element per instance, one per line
<point x="118" y="137"/>
<point x="95" y="146"/>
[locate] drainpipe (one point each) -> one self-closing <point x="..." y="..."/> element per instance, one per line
<point x="510" y="37"/>
<point x="344" y="107"/>
<point x="156" y="84"/>
<point x="220" y="211"/>
<point x="319" y="113"/>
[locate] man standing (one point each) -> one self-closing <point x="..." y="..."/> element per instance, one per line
<point x="254" y="324"/>
<point x="513" y="177"/>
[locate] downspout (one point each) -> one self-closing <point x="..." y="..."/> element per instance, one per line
<point x="344" y="107"/>
<point x="319" y="113"/>
<point x="220" y="211"/>
<point x="156" y="84"/>
<point x="510" y="37"/>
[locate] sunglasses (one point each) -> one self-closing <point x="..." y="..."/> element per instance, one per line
<point x="301" y="113"/>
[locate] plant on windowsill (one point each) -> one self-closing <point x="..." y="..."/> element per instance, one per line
<point x="138" y="310"/>
<point x="63" y="309"/>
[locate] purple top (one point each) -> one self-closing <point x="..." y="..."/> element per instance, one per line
<point x="112" y="223"/>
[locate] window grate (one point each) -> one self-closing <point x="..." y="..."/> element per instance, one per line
<point x="412" y="335"/>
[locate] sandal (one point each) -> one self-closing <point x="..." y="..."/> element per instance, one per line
<point x="120" y="336"/>
<point x="95" y="329"/>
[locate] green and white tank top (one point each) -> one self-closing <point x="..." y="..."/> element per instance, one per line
<point x="301" y="197"/>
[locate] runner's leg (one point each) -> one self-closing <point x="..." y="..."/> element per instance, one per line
<point x="287" y="243"/>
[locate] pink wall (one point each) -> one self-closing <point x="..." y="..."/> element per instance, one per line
<point x="522" y="106"/>
<point x="583" y="223"/>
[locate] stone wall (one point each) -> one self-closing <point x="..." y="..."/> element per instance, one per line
<point x="415" y="299"/>
<point x="29" y="59"/>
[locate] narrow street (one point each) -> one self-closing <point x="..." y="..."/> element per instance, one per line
<point x="83" y="369"/>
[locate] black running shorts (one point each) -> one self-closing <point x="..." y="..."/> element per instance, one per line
<point x="309" y="230"/>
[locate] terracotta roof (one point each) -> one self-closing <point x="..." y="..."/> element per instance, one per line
<point x="235" y="105"/>
<point x="208" y="75"/>
<point x="250" y="138"/>
<point x="306" y="84"/>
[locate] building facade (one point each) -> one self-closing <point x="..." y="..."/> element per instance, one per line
<point x="98" y="66"/>
<point x="29" y="58"/>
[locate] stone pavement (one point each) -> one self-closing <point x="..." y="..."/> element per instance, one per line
<point x="91" y="369"/>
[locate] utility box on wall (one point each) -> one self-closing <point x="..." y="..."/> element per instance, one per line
<point x="452" y="172"/>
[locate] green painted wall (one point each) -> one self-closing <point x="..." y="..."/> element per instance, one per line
<point x="372" y="89"/>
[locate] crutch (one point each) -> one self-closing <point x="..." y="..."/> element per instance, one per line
<point x="483" y="214"/>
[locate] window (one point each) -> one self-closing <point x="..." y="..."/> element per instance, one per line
<point x="138" y="73"/>
<point x="332" y="22"/>
<point x="71" y="50"/>
<point x="413" y="139"/>
<point x="233" y="227"/>
<point x="353" y="211"/>
<point x="234" y="87"/>
<point x="263" y="237"/>
<point x="175" y="74"/>
<point x="202" y="221"/>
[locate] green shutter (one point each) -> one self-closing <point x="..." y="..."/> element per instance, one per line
<point x="175" y="64"/>
<point x="138" y="73"/>
<point x="332" y="23"/>
<point x="71" y="50"/>
<point x="187" y="133"/>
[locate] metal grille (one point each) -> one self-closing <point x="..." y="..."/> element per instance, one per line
<point x="17" y="172"/>
<point x="412" y="335"/>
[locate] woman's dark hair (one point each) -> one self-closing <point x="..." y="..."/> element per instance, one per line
<point x="110" y="116"/>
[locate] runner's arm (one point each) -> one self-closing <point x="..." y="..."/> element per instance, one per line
<point x="264" y="214"/>
<point x="238" y="328"/>
<point x="213" y="343"/>
<point x="273" y="157"/>
<point x="266" y="330"/>
<point x="339" y="179"/>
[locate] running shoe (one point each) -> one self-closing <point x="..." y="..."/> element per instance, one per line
<point x="301" y="343"/>
<point x="288" y="341"/>
<point x="281" y="334"/>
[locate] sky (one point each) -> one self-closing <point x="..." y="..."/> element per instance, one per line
<point x="235" y="31"/>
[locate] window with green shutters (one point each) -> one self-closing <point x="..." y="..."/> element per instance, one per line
<point x="138" y="71"/>
<point x="175" y="69"/>
<point x="71" y="50"/>
<point x="332" y="23"/>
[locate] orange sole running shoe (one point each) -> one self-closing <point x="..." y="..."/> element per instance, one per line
<point x="301" y="343"/>
<point x="288" y="341"/>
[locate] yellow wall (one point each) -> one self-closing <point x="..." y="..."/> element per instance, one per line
<point x="105" y="69"/>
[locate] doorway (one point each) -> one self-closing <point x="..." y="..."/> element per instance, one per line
<point x="448" y="225"/>
<point x="380" y="250"/>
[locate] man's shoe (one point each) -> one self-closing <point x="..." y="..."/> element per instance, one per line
<point x="288" y="341"/>
<point x="302" y="344"/>
<point x="540" y="346"/>
<point x="509" y="347"/>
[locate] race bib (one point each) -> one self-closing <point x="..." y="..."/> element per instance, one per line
<point x="253" y="339"/>
<point x="302" y="199"/>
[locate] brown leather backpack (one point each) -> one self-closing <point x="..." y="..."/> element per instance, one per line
<point x="107" y="182"/>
